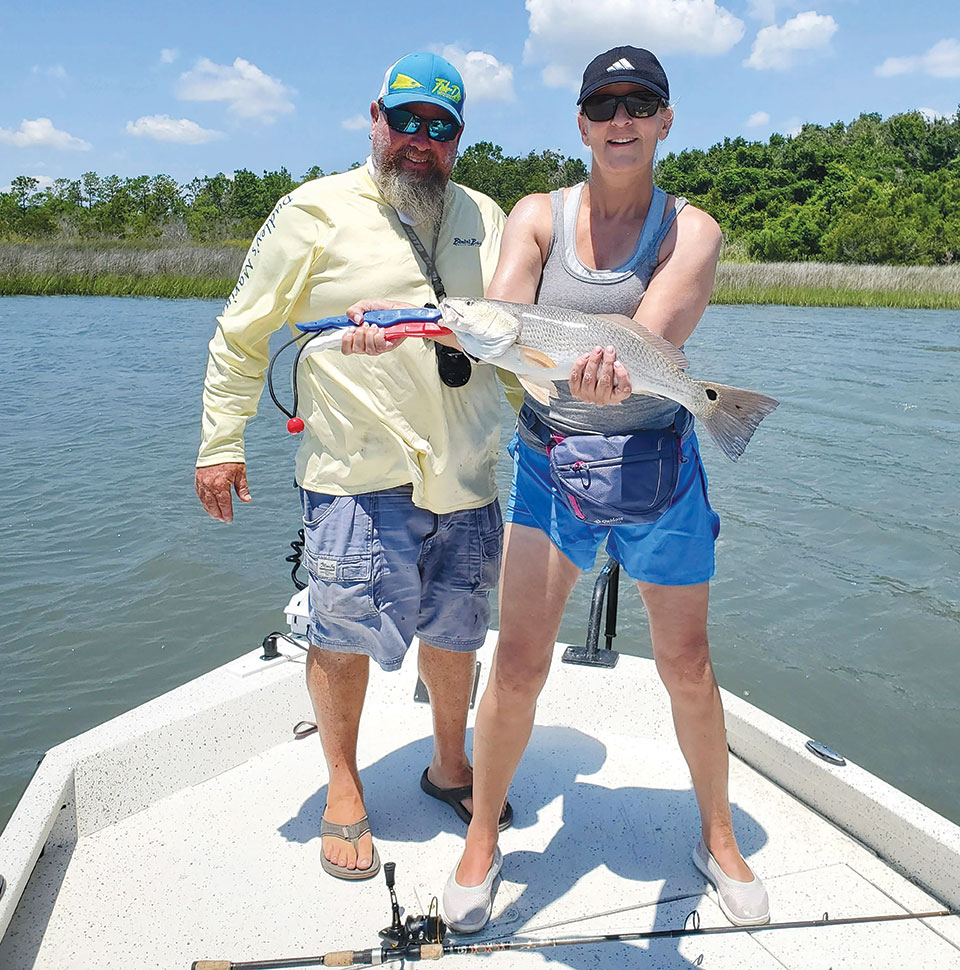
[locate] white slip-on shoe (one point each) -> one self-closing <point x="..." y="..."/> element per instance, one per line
<point x="466" y="909"/>
<point x="743" y="903"/>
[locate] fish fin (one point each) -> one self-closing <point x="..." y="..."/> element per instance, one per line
<point x="735" y="416"/>
<point x="673" y="353"/>
<point x="539" y="392"/>
<point x="536" y="358"/>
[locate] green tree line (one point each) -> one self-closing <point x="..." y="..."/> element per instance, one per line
<point x="871" y="191"/>
<point x="221" y="207"/>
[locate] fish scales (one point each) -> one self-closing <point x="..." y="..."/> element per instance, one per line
<point x="579" y="332"/>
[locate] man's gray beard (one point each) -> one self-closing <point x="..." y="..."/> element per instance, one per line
<point x="419" y="198"/>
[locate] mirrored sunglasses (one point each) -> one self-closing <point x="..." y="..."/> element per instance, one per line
<point x="602" y="107"/>
<point x="408" y="123"/>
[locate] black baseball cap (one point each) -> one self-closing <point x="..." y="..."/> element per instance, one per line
<point x="625" y="64"/>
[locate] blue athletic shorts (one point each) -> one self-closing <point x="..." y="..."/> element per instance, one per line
<point x="675" y="550"/>
<point x="381" y="571"/>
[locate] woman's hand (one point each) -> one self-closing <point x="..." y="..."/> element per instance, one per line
<point x="599" y="378"/>
<point x="365" y="338"/>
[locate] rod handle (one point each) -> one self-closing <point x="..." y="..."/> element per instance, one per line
<point x="431" y="951"/>
<point x="340" y="958"/>
<point x="211" y="965"/>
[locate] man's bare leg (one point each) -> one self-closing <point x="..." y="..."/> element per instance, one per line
<point x="337" y="683"/>
<point x="678" y="629"/>
<point x="448" y="676"/>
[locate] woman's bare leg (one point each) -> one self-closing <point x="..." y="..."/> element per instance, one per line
<point x="535" y="582"/>
<point x="678" y="629"/>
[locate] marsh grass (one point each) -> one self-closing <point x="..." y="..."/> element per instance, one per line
<point x="115" y="284"/>
<point x="839" y="284"/>
<point x="119" y="269"/>
<point x="143" y="269"/>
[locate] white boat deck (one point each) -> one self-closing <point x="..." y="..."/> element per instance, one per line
<point x="189" y="830"/>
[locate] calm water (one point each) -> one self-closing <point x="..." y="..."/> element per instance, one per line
<point x="836" y="606"/>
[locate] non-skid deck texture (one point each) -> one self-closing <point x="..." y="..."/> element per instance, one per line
<point x="605" y="820"/>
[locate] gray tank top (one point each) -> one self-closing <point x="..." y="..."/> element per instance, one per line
<point x="566" y="282"/>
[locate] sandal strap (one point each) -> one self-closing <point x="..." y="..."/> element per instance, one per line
<point x="349" y="833"/>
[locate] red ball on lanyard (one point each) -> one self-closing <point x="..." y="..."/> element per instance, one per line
<point x="295" y="425"/>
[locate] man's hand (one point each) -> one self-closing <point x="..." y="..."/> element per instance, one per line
<point x="599" y="378"/>
<point x="214" y="485"/>
<point x="367" y="339"/>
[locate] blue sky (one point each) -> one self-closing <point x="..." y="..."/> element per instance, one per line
<point x="191" y="89"/>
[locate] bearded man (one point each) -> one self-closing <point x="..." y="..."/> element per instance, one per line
<point x="396" y="470"/>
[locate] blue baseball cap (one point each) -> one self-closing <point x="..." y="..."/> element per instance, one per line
<point x="424" y="77"/>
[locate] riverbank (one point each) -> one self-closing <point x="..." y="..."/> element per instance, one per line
<point x="122" y="269"/>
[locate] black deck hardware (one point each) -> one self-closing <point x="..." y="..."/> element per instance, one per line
<point x="422" y="696"/>
<point x="592" y="655"/>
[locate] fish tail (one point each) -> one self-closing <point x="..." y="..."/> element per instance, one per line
<point x="732" y="415"/>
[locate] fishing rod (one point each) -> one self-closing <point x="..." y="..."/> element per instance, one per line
<point x="423" y="937"/>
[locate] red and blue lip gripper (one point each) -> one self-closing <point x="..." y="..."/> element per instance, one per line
<point x="405" y="322"/>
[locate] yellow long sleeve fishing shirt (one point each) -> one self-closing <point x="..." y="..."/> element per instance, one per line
<point x="371" y="422"/>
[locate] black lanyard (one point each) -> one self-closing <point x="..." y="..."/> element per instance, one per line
<point x="452" y="365"/>
<point x="429" y="259"/>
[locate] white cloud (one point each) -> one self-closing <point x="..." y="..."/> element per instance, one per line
<point x="40" y="133"/>
<point x="893" y="66"/>
<point x="931" y="114"/>
<point x="793" y="126"/>
<point x="942" y="60"/>
<point x="484" y="77"/>
<point x="249" y="92"/>
<point x="56" y="72"/>
<point x="758" y="119"/>
<point x="356" y="122"/>
<point x="765" y="10"/>
<point x="43" y="182"/>
<point x="165" y="128"/>
<point x="168" y="55"/>
<point x="566" y="34"/>
<point x="778" y="48"/>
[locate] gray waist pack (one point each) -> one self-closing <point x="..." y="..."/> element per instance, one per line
<point x="615" y="479"/>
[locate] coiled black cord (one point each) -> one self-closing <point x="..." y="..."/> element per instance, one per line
<point x="296" y="364"/>
<point x="295" y="558"/>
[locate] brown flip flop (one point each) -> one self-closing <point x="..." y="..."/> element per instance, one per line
<point x="351" y="834"/>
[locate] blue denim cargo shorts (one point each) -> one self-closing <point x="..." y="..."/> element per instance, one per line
<point x="675" y="550"/>
<point x="381" y="571"/>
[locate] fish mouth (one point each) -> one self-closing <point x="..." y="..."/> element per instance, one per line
<point x="450" y="315"/>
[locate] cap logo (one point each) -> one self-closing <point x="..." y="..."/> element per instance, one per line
<point x="404" y="82"/>
<point x="443" y="88"/>
<point x="622" y="65"/>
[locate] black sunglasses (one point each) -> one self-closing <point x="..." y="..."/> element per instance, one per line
<point x="408" y="123"/>
<point x="602" y="107"/>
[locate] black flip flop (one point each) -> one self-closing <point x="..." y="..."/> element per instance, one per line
<point x="454" y="798"/>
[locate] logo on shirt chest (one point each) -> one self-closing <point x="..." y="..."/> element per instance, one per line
<point x="469" y="241"/>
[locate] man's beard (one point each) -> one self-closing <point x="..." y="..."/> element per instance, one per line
<point x="418" y="197"/>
